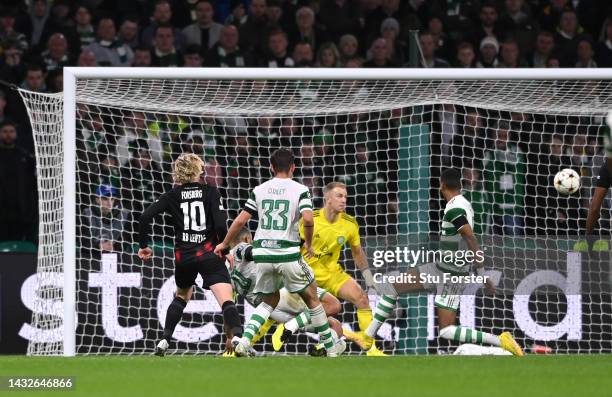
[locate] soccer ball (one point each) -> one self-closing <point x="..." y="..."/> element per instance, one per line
<point x="567" y="181"/>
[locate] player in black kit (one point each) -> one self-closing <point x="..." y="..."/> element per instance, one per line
<point x="199" y="222"/>
<point x="602" y="185"/>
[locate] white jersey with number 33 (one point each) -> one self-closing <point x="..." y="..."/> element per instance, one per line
<point x="278" y="204"/>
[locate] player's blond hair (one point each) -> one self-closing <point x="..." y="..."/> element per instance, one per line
<point x="331" y="186"/>
<point x="186" y="168"/>
<point x="241" y="237"/>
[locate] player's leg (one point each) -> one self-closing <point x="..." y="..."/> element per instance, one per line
<point x="223" y="292"/>
<point x="290" y="323"/>
<point x="387" y="302"/>
<point x="216" y="277"/>
<point x="298" y="278"/>
<point x="446" y="308"/>
<point x="352" y="292"/>
<point x="267" y="284"/>
<point x="184" y="277"/>
<point x="331" y="306"/>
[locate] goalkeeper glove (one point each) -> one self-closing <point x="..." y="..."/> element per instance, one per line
<point x="369" y="279"/>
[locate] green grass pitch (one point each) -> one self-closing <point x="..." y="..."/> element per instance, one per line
<point x="452" y="376"/>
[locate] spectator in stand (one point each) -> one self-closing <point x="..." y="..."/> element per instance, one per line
<point x="226" y="52"/>
<point x="585" y="54"/>
<point x="390" y="31"/>
<point x="128" y="32"/>
<point x="340" y="17"/>
<point x="87" y="58"/>
<point x="468" y="142"/>
<point x="238" y="14"/>
<point x="428" y="48"/>
<point x="18" y="218"/>
<point x="3" y="102"/>
<point x="518" y="23"/>
<point x="254" y="31"/>
<point x="163" y="52"/>
<point x="379" y="55"/>
<point x="349" y="47"/>
<point x="545" y="44"/>
<point x="305" y="29"/>
<point x="489" y="48"/>
<point x="354" y="63"/>
<point x="214" y="173"/>
<point x="56" y="55"/>
<point x="40" y="23"/>
<point x="108" y="49"/>
<point x="566" y="38"/>
<point x="135" y="128"/>
<point x="12" y="69"/>
<point x="84" y="29"/>
<point x="303" y="55"/>
<point x="473" y="190"/>
<point x="55" y="81"/>
<point x="277" y="48"/>
<point x="192" y="57"/>
<point x="142" y="180"/>
<point x="162" y="16"/>
<point x="274" y="12"/>
<point x="504" y="176"/>
<point x="466" y="58"/>
<point x="205" y="32"/>
<point x="104" y="224"/>
<point x="550" y="13"/>
<point x="444" y="45"/>
<point x="488" y="26"/>
<point x="604" y="47"/>
<point x="328" y="56"/>
<point x="376" y="12"/>
<point x="510" y="55"/>
<point x="142" y="57"/>
<point x="8" y="34"/>
<point x="553" y="62"/>
<point x="34" y="78"/>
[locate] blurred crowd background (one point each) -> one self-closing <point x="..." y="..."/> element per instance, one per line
<point x="125" y="151"/>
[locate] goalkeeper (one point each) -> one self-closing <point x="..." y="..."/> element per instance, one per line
<point x="333" y="229"/>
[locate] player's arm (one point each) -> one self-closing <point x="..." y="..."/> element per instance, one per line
<point x="308" y="225"/>
<point x="219" y="215"/>
<point x="237" y="224"/>
<point x="465" y="230"/>
<point x="144" y="225"/>
<point x="305" y="208"/>
<point x="361" y="261"/>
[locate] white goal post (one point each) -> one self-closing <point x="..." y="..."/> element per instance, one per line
<point x="556" y="96"/>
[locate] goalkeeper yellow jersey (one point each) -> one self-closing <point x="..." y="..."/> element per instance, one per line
<point x="330" y="238"/>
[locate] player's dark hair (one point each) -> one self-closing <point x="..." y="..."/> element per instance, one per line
<point x="451" y="177"/>
<point x="282" y="160"/>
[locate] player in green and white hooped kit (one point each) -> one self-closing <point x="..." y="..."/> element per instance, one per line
<point x="279" y="203"/>
<point x="291" y="309"/>
<point x="457" y="223"/>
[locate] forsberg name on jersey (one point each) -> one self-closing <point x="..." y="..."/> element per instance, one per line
<point x="191" y="194"/>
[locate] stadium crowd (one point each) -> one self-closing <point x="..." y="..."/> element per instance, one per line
<point x="39" y="37"/>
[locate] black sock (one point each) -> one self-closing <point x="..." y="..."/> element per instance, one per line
<point x="232" y="318"/>
<point x="173" y="316"/>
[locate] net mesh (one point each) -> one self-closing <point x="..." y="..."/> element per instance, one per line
<point x="387" y="140"/>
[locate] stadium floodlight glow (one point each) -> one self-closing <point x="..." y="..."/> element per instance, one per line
<point x="384" y="132"/>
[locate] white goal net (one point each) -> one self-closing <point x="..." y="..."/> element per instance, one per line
<point x="388" y="140"/>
